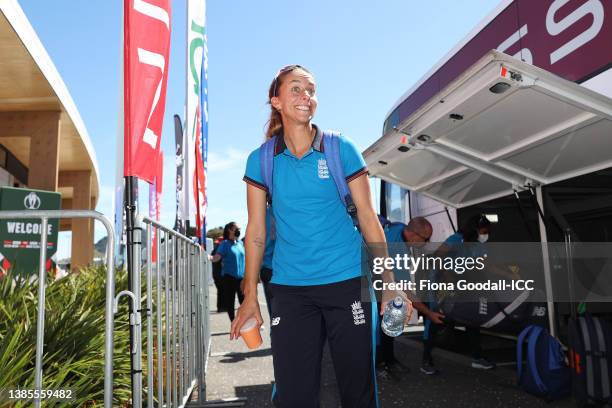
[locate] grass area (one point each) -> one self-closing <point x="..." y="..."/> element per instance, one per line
<point x="74" y="337"/>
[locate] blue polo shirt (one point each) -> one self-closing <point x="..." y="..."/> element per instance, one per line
<point x="394" y="232"/>
<point x="396" y="246"/>
<point x="316" y="241"/>
<point x="232" y="253"/>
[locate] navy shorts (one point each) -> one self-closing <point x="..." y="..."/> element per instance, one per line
<point x="303" y="317"/>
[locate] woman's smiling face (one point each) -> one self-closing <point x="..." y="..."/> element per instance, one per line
<point x="296" y="100"/>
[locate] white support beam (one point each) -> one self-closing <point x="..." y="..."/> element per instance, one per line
<point x="492" y="170"/>
<point x="546" y="265"/>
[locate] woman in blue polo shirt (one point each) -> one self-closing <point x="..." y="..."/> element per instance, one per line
<point x="316" y="284"/>
<point x="231" y="251"/>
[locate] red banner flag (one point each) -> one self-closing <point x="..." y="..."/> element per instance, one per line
<point x="145" y="74"/>
<point x="199" y="181"/>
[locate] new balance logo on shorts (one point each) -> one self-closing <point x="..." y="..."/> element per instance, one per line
<point x="275" y="321"/>
<point x="358" y="315"/>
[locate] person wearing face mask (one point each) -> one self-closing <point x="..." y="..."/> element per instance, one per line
<point x="475" y="232"/>
<point x="231" y="251"/>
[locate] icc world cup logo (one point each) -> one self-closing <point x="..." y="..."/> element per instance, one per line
<point x="31" y="201"/>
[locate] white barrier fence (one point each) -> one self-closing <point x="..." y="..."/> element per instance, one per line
<point x="176" y="313"/>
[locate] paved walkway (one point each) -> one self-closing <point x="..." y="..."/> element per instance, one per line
<point x="235" y="372"/>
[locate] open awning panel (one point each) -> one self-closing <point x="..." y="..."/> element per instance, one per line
<point x="502" y="114"/>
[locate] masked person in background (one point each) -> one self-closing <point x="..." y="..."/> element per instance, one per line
<point x="231" y="251"/>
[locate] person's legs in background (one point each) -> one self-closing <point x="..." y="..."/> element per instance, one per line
<point x="229" y="294"/>
<point x="478" y="361"/>
<point x="239" y="291"/>
<point x="386" y="363"/>
<point x="429" y="333"/>
<point x="218" y="280"/>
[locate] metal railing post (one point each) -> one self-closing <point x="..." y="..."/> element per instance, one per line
<point x="180" y="316"/>
<point x="201" y="345"/>
<point x="137" y="347"/>
<point x="40" y="323"/>
<point x="158" y="309"/>
<point x="168" y="319"/>
<point x="149" y="310"/>
<point x="174" y="322"/>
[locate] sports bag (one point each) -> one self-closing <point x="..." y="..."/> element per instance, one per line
<point x="490" y="313"/>
<point x="545" y="374"/>
<point x="590" y="356"/>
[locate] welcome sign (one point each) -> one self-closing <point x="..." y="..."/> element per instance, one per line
<point x="20" y="239"/>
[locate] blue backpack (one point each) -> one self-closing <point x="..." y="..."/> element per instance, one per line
<point x="331" y="148"/>
<point x="546" y="373"/>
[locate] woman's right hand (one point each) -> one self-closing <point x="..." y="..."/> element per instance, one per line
<point x="248" y="309"/>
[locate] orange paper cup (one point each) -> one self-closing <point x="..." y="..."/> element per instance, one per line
<point x="250" y="333"/>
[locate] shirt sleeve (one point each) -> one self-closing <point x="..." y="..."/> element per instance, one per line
<point x="352" y="160"/>
<point x="252" y="174"/>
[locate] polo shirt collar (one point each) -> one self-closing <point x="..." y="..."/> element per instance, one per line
<point x="317" y="142"/>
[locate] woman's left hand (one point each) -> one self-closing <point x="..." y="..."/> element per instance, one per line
<point x="389" y="295"/>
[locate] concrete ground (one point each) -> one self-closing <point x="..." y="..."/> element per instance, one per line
<point x="239" y="377"/>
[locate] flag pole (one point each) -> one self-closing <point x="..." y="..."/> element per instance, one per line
<point x="134" y="245"/>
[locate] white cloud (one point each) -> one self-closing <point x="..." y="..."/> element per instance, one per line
<point x="230" y="160"/>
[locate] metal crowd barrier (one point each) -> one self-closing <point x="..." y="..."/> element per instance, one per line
<point x="44" y="216"/>
<point x="179" y="310"/>
<point x="176" y="311"/>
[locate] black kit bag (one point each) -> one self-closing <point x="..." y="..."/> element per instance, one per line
<point x="590" y="355"/>
<point x="490" y="313"/>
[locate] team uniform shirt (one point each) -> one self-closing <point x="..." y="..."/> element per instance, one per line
<point x="394" y="235"/>
<point x="394" y="232"/>
<point x="316" y="241"/>
<point x="233" y="258"/>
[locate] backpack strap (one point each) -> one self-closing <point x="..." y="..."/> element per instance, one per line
<point x="384" y="222"/>
<point x="588" y="351"/>
<point x="331" y="147"/>
<point x="519" y="351"/>
<point x="600" y="354"/>
<point x="266" y="163"/>
<point x="531" y="358"/>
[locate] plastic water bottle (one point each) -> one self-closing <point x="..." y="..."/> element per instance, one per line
<point x="393" y="319"/>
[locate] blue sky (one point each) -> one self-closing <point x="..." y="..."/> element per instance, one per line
<point x="364" y="55"/>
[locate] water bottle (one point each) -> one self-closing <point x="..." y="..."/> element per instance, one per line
<point x="393" y="319"/>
